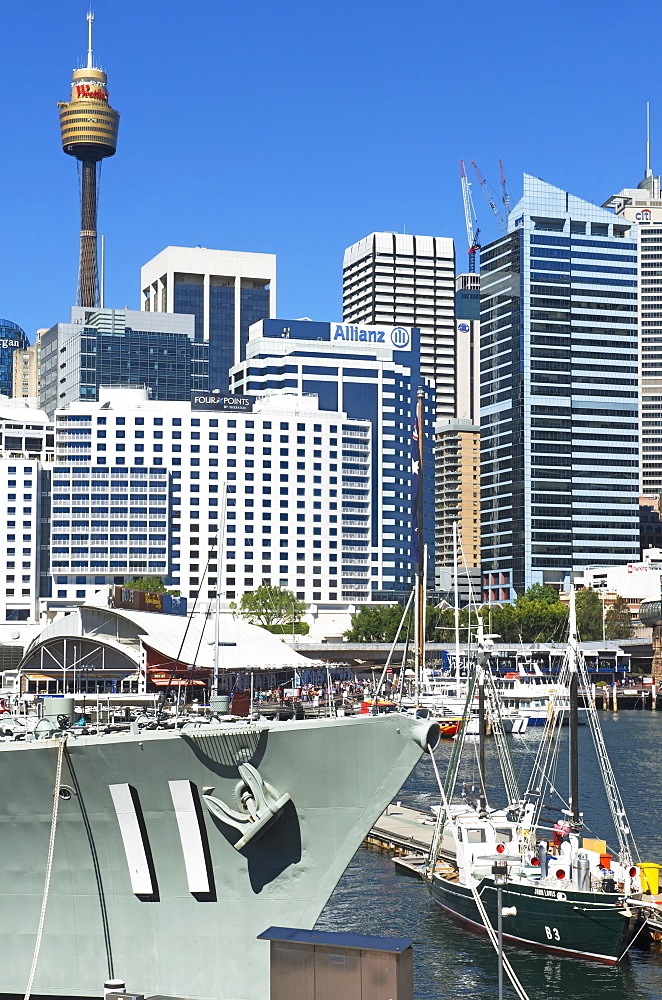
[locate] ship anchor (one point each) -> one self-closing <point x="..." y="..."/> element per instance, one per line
<point x="261" y="803"/>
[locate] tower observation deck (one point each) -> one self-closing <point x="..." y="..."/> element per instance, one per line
<point x="89" y="128"/>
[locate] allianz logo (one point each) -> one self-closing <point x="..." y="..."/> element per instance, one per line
<point x="399" y="336"/>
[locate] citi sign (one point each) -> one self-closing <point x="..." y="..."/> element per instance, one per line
<point x="644" y="216"/>
<point x="398" y="337"/>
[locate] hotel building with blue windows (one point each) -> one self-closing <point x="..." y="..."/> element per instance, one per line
<point x="110" y="347"/>
<point x="559" y="393"/>
<point x="209" y="498"/>
<point x="370" y="373"/>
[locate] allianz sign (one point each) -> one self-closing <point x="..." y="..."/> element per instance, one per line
<point x="397" y="337"/>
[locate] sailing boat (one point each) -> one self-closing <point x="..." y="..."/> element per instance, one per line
<point x="562" y="893"/>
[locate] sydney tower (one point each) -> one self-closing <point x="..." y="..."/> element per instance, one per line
<point x="89" y="132"/>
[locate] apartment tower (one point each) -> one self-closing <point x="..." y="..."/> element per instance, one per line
<point x="457" y="455"/>
<point x="642" y="207"/>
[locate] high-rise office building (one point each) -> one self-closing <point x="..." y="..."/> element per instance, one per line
<point x="559" y="395"/>
<point x="89" y="129"/>
<point x="457" y="455"/>
<point x="391" y="278"/>
<point x="112" y="347"/>
<point x="207" y="497"/>
<point x="12" y="338"/>
<point x="225" y="290"/>
<point x="642" y="206"/>
<point x="370" y="374"/>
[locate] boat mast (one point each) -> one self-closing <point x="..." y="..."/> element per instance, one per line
<point x="457" y="615"/>
<point x="419" y="632"/>
<point x="574" y="712"/>
<point x="482" y="797"/>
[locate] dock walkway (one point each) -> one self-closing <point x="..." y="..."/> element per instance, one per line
<point x="403" y="830"/>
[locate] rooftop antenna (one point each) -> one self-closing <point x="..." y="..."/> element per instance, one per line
<point x="90" y="20"/>
<point x="649" y="172"/>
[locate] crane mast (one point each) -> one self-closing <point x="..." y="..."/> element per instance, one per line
<point x="490" y="198"/>
<point x="469" y="217"/>
<point x="505" y="196"/>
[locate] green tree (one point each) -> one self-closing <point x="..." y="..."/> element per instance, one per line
<point x="273" y="608"/>
<point x="539" y="615"/>
<point x="618" y="620"/>
<point x="539" y="592"/>
<point x="375" y="624"/>
<point x="154" y="584"/>
<point x="589" y="615"/>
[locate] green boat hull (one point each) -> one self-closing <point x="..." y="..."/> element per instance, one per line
<point x="590" y="925"/>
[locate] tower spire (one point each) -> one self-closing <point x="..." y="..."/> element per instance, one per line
<point x="88" y="125"/>
<point x="90" y="22"/>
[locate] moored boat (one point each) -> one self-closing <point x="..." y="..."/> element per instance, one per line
<point x="567" y="895"/>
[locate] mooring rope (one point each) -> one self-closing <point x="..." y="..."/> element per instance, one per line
<point x="49" y="864"/>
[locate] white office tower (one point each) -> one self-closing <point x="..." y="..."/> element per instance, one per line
<point x="201" y="496"/>
<point x="643" y="206"/>
<point x="26" y="442"/>
<point x="226" y="291"/>
<point x="396" y="278"/>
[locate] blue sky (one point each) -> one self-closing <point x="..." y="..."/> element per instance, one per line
<point x="297" y="128"/>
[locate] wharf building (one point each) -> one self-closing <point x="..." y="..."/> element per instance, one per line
<point x="371" y="374"/>
<point x="392" y="278"/>
<point x="226" y="291"/>
<point x="209" y="498"/>
<point x="26" y="453"/>
<point x="106" y="347"/>
<point x="12" y="338"/>
<point x="457" y="456"/>
<point x="559" y="393"/>
<point x="642" y="208"/>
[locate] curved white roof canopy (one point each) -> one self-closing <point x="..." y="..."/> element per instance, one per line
<point x="188" y="639"/>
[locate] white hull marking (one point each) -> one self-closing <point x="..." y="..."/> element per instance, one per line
<point x="190" y="835"/>
<point x="132" y="838"/>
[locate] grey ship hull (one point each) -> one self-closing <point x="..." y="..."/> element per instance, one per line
<point x="146" y="883"/>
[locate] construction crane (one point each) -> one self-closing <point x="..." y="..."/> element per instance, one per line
<point x="473" y="232"/>
<point x="491" y="198"/>
<point x="505" y="197"/>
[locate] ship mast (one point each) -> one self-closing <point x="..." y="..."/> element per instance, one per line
<point x="574" y="712"/>
<point x="420" y="602"/>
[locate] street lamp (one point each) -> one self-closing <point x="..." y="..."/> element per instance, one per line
<point x="500" y="872"/>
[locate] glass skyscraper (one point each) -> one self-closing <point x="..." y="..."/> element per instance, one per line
<point x="226" y="291"/>
<point x="559" y="393"/>
<point x="12" y="337"/>
<point x="114" y="347"/>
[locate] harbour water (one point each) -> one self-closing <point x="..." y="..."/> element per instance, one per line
<point x="452" y="960"/>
